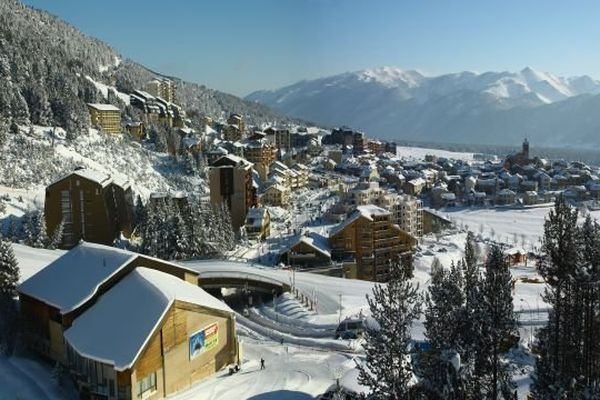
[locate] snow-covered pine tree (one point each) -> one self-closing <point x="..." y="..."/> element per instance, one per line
<point x="9" y="278"/>
<point x="497" y="327"/>
<point x="139" y="214"/>
<point x="226" y="227"/>
<point x="387" y="370"/>
<point x="568" y="365"/>
<point x="57" y="236"/>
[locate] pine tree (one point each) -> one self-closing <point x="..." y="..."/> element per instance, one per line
<point x="9" y="277"/>
<point x="497" y="326"/>
<point x="57" y="236"/>
<point x="441" y="365"/>
<point x="387" y="370"/>
<point x="568" y="365"/>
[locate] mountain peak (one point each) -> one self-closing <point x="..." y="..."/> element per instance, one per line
<point x="390" y="76"/>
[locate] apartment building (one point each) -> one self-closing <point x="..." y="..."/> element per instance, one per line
<point x="276" y="195"/>
<point x="370" y="239"/>
<point x="262" y="154"/>
<point x="231" y="182"/>
<point x="91" y="206"/>
<point x="258" y="223"/>
<point x="280" y="137"/>
<point x="407" y="210"/>
<point x="163" y="88"/>
<point x="106" y="117"/>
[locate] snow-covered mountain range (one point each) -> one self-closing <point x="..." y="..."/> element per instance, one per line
<point x="489" y="107"/>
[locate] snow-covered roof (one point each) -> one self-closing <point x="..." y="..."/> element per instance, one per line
<point x="315" y="241"/>
<point x="82" y="270"/>
<point x="103" y="107"/>
<point x="99" y="177"/>
<point x="366" y="211"/>
<point x="139" y="302"/>
<point x="75" y="277"/>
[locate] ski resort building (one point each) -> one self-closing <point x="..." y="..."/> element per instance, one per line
<point x="129" y="326"/>
<point x="231" y="182"/>
<point x="162" y="87"/>
<point x="258" y="223"/>
<point x="370" y="239"/>
<point x="105" y="116"/>
<point x="91" y="206"/>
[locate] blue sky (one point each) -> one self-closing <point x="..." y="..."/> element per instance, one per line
<point x="243" y="45"/>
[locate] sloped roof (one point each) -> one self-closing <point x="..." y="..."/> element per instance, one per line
<point x="75" y="277"/>
<point x="103" y="107"/>
<point x="316" y="241"/>
<point x="92" y="175"/>
<point x="366" y="211"/>
<point x="138" y="302"/>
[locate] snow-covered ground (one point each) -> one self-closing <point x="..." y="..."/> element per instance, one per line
<point x="512" y="226"/>
<point x="418" y="153"/>
<point x="22" y="378"/>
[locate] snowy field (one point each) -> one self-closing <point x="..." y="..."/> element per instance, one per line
<point x="511" y="226"/>
<point x="418" y="153"/>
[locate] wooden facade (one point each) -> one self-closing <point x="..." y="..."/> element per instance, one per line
<point x="372" y="241"/>
<point x="45" y="324"/>
<point x="94" y="210"/>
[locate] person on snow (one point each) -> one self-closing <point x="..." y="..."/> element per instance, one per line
<point x="262" y="363"/>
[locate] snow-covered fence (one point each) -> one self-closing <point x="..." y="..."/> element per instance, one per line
<point x="326" y="344"/>
<point x="288" y="328"/>
<point x="274" y="315"/>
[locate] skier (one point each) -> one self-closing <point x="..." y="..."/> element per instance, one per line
<point x="262" y="363"/>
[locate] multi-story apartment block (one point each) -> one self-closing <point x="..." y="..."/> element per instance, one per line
<point x="370" y="239"/>
<point x="163" y="88"/>
<point x="262" y="154"/>
<point x="237" y="120"/>
<point x="280" y="137"/>
<point x="91" y="206"/>
<point x="231" y="182"/>
<point x="276" y="195"/>
<point x="258" y="223"/>
<point x="105" y="116"/>
<point x="407" y="211"/>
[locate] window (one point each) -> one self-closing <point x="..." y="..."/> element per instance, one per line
<point x="147" y="385"/>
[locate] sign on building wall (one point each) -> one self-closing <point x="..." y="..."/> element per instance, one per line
<point x="204" y="340"/>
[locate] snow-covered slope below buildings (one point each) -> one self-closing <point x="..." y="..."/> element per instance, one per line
<point x="35" y="159"/>
<point x="464" y="107"/>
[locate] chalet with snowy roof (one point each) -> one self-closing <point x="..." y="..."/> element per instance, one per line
<point x="309" y="250"/>
<point x="129" y="326"/>
<point x="90" y="205"/>
<point x="136" y="130"/>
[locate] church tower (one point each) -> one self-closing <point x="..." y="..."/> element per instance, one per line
<point x="525" y="151"/>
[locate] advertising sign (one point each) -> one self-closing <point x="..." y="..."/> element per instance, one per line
<point x="204" y="340"/>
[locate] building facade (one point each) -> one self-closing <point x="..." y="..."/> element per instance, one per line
<point x="91" y="206"/>
<point x="177" y="334"/>
<point x="231" y="182"/>
<point x="105" y="116"/>
<point x="370" y="239"/>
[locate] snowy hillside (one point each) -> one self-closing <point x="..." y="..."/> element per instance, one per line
<point x="35" y="160"/>
<point x="463" y="107"/>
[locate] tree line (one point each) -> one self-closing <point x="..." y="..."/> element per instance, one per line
<point x="470" y="324"/>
